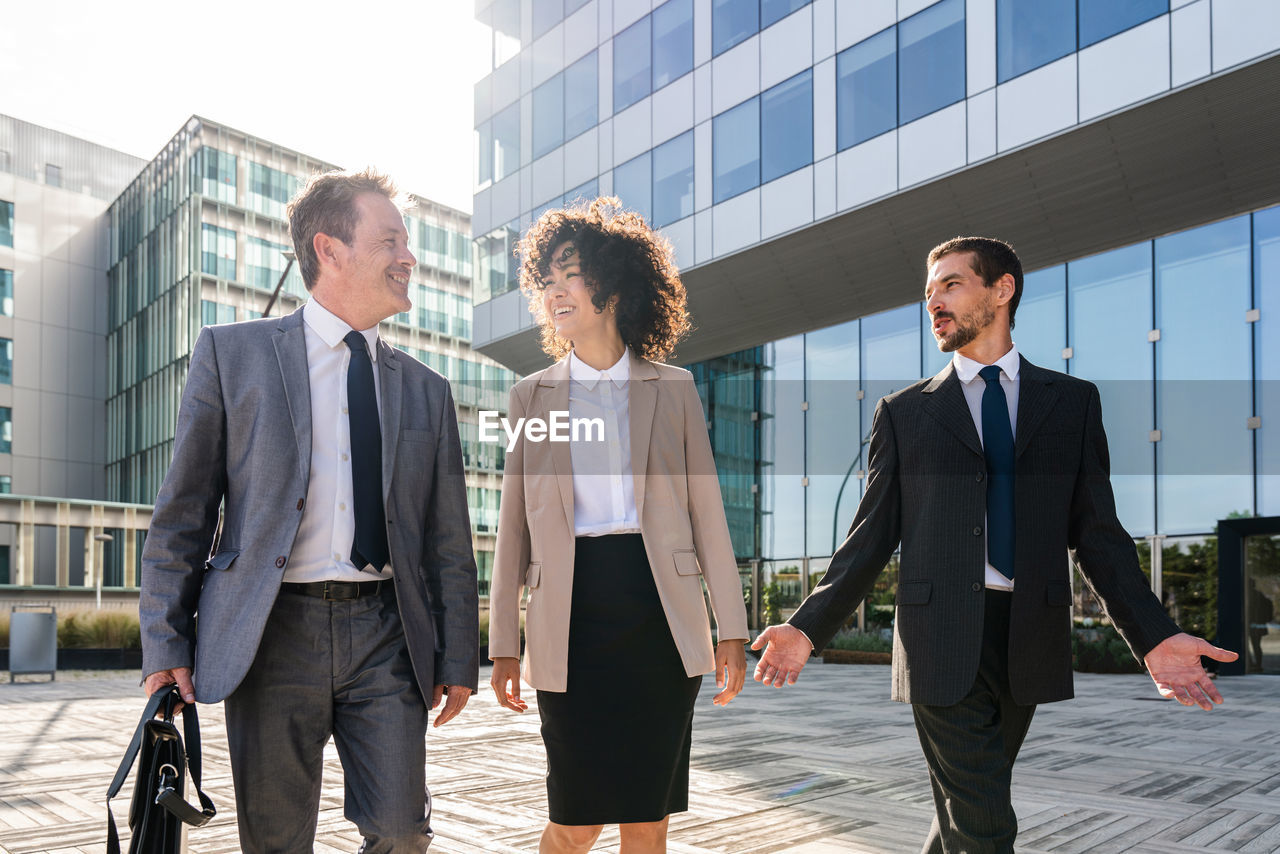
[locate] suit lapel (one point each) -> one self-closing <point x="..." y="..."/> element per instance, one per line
<point x="946" y="404"/>
<point x="642" y="400"/>
<point x="1036" y="397"/>
<point x="291" y="352"/>
<point x="389" y="380"/>
<point x="554" y="396"/>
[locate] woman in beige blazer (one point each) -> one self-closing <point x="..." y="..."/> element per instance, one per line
<point x="612" y="535"/>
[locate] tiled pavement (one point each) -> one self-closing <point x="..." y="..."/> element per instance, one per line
<point x="827" y="767"/>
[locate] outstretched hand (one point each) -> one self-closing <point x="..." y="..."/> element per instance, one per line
<point x="1174" y="665"/>
<point x="786" y="650"/>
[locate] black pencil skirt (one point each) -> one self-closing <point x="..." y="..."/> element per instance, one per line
<point x="618" y="739"/>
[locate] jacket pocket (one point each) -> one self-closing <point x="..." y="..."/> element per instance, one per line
<point x="533" y="575"/>
<point x="914" y="592"/>
<point x="1057" y="594"/>
<point x="686" y="562"/>
<point x="222" y="560"/>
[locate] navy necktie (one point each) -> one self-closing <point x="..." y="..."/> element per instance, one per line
<point x="369" y="547"/>
<point x="997" y="446"/>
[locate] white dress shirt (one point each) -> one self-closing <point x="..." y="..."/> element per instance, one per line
<point x="974" y="386"/>
<point x="604" y="500"/>
<point x="322" y="549"/>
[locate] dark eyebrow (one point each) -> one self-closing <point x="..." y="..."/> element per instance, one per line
<point x="569" y="252"/>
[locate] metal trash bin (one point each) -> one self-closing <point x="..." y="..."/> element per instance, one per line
<point x="33" y="641"/>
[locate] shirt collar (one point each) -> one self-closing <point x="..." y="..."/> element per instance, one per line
<point x="967" y="369"/>
<point x="332" y="329"/>
<point x="587" y="376"/>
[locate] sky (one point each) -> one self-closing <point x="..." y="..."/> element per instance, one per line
<point x="386" y="83"/>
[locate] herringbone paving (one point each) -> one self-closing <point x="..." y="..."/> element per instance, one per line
<point x="829" y="766"/>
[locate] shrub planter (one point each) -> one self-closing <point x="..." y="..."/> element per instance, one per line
<point x="855" y="656"/>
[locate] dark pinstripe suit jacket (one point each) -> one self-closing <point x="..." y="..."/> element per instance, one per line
<point x="926" y="488"/>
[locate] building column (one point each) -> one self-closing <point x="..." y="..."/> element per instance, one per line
<point x="25" y="560"/>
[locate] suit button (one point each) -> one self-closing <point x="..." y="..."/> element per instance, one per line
<point x="977" y="532"/>
<point x="300" y="502"/>
<point x="280" y="562"/>
<point x="977" y="588"/>
<point x="979" y="476"/>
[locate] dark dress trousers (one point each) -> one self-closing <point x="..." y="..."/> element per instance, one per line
<point x="926" y="490"/>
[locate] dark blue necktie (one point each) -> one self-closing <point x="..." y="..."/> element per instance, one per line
<point x="997" y="445"/>
<point x="369" y="546"/>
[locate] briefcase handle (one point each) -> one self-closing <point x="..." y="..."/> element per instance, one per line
<point x="169" y="698"/>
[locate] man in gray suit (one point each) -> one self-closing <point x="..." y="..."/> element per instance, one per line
<point x="338" y="596"/>
<point x="986" y="474"/>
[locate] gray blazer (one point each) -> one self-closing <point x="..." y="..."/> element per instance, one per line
<point x="243" y="442"/>
<point x="926" y="489"/>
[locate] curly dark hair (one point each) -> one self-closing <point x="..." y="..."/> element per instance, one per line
<point x="620" y="256"/>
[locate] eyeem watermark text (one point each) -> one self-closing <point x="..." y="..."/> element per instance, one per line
<point x="559" y="428"/>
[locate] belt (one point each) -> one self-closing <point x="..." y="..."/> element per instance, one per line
<point x="337" y="590"/>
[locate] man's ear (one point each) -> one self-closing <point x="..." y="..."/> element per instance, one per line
<point x="327" y="249"/>
<point x="1006" y="287"/>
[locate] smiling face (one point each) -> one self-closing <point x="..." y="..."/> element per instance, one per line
<point x="566" y="299"/>
<point x="367" y="279"/>
<point x="962" y="306"/>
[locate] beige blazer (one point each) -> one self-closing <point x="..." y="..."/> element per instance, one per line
<point x="678" y="504"/>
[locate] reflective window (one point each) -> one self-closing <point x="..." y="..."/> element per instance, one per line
<point x="217" y="251"/>
<point x="1040" y="324"/>
<point x="733" y="21"/>
<point x="1266" y="337"/>
<point x="496" y="258"/>
<point x="6" y="293"/>
<point x="443" y="312"/>
<point x="587" y="192"/>
<point x="1204" y="392"/>
<point x="506" y="142"/>
<point x="6" y="487"/>
<point x="772" y="11"/>
<point x="1032" y="33"/>
<point x="1110" y="315"/>
<point x="504" y="17"/>
<point x="571" y="6"/>
<point x="931" y="67"/>
<point x="213" y="313"/>
<point x="548" y="116"/>
<point x="632" y="72"/>
<point x="866" y="90"/>
<point x="264" y="261"/>
<point x="673" y="180"/>
<point x="52" y="175"/>
<point x="6" y="430"/>
<point x="1100" y="19"/>
<point x="786" y="127"/>
<point x="581" y="96"/>
<point x="546" y="14"/>
<point x="672" y="41"/>
<point x="484" y="154"/>
<point x="6" y="223"/>
<point x="833" y="433"/>
<point x="218" y="174"/>
<point x="781" y="455"/>
<point x="270" y="190"/>
<point x="735" y="156"/>
<point x="633" y="185"/>
<point x="890" y="359"/>
<point x="6" y="361"/>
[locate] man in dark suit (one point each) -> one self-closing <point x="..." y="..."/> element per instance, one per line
<point x="986" y="474"/>
<point x="338" y="596"/>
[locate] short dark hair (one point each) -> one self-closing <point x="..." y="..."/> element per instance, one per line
<point x="992" y="259"/>
<point x="620" y="255"/>
<point x="327" y="205"/>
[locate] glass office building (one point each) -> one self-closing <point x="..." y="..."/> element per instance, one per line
<point x="803" y="157"/>
<point x="199" y="237"/>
